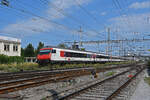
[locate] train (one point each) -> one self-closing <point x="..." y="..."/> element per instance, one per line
<point x="51" y="55"/>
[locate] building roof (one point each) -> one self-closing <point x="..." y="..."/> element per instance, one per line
<point x="9" y="39"/>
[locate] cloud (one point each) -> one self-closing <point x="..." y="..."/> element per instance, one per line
<point x="38" y="25"/>
<point x="103" y="13"/>
<point x="140" y="5"/>
<point x="32" y="25"/>
<point x="133" y="23"/>
<point x="62" y="5"/>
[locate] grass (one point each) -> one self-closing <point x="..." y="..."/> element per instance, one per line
<point x="22" y="66"/>
<point x="148" y="63"/>
<point x="97" y="65"/>
<point x="44" y="99"/>
<point x="110" y="74"/>
<point x="147" y="80"/>
<point x="34" y="66"/>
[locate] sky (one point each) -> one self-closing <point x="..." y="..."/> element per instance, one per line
<point x="57" y="21"/>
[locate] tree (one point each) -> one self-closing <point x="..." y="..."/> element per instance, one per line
<point x="62" y="45"/>
<point x="82" y="49"/>
<point x="29" y="51"/>
<point x="40" y="46"/>
<point x="22" y="52"/>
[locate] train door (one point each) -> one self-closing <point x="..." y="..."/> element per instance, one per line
<point x="94" y="57"/>
<point x="54" y="56"/>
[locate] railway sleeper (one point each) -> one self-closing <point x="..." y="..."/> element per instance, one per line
<point x="94" y="95"/>
<point x="90" y="98"/>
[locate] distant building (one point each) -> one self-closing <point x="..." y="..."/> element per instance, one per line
<point x="10" y="46"/>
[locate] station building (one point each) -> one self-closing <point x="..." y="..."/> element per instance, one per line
<point x="10" y="46"/>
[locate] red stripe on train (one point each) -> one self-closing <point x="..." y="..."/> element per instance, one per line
<point x="62" y="54"/>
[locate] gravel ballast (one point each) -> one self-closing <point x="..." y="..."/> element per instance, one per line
<point x="40" y="92"/>
<point x="142" y="91"/>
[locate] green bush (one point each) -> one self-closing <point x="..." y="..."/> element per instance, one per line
<point x="110" y="73"/>
<point x="148" y="63"/>
<point x="10" y="59"/>
<point x="147" y="80"/>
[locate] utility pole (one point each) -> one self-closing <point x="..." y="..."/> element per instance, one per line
<point x="80" y="33"/>
<point x="108" y="43"/>
<point x="148" y="20"/>
<point x="98" y="47"/>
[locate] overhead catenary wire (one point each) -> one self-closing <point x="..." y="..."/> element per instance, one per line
<point x="121" y="11"/>
<point x="87" y="12"/>
<point x="6" y="21"/>
<point x="30" y="5"/>
<point x="38" y="16"/>
<point x="32" y="29"/>
<point x="129" y="21"/>
<point x="28" y="12"/>
<point x="69" y="16"/>
<point x="20" y="15"/>
<point x="125" y="21"/>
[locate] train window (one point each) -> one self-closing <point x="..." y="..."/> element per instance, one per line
<point x="100" y="56"/>
<point x="53" y="51"/>
<point x="88" y="56"/>
<point x="42" y="52"/>
<point x="77" y="55"/>
<point x="66" y="54"/>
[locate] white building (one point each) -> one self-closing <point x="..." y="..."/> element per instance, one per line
<point x="10" y="46"/>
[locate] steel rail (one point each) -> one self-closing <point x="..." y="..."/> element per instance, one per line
<point x="29" y="75"/>
<point x="11" y="86"/>
<point x="76" y="93"/>
<point x="28" y="85"/>
<point x="115" y="93"/>
<point x="4" y="84"/>
<point x="55" y="71"/>
<point x="9" y="77"/>
<point x="39" y="82"/>
<point x="36" y="81"/>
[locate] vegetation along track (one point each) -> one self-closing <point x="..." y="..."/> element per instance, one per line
<point x="44" y="78"/>
<point x="107" y="89"/>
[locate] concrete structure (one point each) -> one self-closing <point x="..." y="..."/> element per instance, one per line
<point x="30" y="59"/>
<point x="10" y="46"/>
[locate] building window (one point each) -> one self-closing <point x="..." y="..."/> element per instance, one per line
<point x="15" y="48"/>
<point x="6" y="47"/>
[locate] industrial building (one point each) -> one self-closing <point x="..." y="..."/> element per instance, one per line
<point x="10" y="46"/>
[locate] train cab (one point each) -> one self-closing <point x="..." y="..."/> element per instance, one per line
<point x="44" y="55"/>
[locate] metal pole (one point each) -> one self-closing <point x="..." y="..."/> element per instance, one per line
<point x="80" y="32"/>
<point x="108" y="42"/>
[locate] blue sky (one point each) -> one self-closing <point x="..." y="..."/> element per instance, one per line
<point x="56" y="21"/>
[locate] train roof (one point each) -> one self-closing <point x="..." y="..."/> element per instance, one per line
<point x="69" y="49"/>
<point x="76" y="50"/>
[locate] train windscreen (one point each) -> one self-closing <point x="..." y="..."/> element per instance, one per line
<point x="44" y="52"/>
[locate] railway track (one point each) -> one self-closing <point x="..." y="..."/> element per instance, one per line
<point x="107" y="89"/>
<point x="26" y="80"/>
<point x="31" y="74"/>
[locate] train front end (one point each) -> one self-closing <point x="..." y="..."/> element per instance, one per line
<point x="44" y="56"/>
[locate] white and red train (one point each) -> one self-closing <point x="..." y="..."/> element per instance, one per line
<point x="51" y="54"/>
